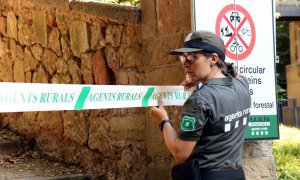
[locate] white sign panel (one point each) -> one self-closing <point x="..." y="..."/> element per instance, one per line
<point x="247" y="28"/>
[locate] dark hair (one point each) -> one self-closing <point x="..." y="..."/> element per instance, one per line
<point x="226" y="68"/>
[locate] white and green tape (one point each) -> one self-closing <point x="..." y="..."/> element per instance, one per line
<point x="22" y="97"/>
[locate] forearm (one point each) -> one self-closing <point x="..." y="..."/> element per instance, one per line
<point x="171" y="141"/>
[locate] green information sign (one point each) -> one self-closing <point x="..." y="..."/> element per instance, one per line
<point x="262" y="127"/>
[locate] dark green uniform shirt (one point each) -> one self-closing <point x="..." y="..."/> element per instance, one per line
<point x="216" y="116"/>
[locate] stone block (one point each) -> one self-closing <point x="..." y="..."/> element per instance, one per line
<point x="6" y="66"/>
<point x="3" y="25"/>
<point x="19" y="75"/>
<point x="79" y="37"/>
<point x="149" y="19"/>
<point x="12" y="30"/>
<point x="54" y="41"/>
<point x="128" y="128"/>
<point x="63" y="21"/>
<point x="156" y="171"/>
<point x="98" y="135"/>
<point x="87" y="68"/>
<point x="30" y="63"/>
<point x="75" y="127"/>
<point x="37" y="52"/>
<point x="122" y="77"/>
<point x="155" y="144"/>
<point x="61" y="66"/>
<point x="40" y="76"/>
<point x="20" y="52"/>
<point x="131" y="57"/>
<point x="75" y="72"/>
<point x="65" y="46"/>
<point x="173" y="16"/>
<point x="258" y="149"/>
<point x="57" y="79"/>
<point x="102" y="74"/>
<point x="28" y="77"/>
<point x="29" y="123"/>
<point x="40" y="28"/>
<point x="13" y="49"/>
<point x="49" y="60"/>
<point x="132" y="77"/>
<point x="3" y="47"/>
<point x="260" y="168"/>
<point x="96" y="35"/>
<point x="51" y="122"/>
<point x="156" y="52"/>
<point x="25" y="35"/>
<point x="113" y="58"/>
<point x="132" y="35"/>
<point x="113" y="35"/>
<point x="165" y="75"/>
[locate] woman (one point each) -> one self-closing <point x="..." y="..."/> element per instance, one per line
<point x="214" y="117"/>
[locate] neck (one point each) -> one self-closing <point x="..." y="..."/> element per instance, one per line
<point x="215" y="73"/>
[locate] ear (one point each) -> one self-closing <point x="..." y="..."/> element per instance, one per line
<point x="214" y="59"/>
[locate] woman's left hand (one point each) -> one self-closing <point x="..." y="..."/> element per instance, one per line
<point x="158" y="113"/>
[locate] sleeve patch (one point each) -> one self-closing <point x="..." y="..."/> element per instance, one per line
<point x="188" y="123"/>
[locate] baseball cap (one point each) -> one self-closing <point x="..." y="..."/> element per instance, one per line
<point x="202" y="40"/>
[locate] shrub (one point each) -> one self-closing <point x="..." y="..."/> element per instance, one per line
<point x="287" y="153"/>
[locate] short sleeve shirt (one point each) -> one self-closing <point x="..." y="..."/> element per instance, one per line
<point x="216" y="116"/>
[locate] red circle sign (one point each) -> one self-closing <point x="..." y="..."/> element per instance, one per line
<point x="228" y="20"/>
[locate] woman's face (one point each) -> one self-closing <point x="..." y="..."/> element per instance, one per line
<point x="198" y="66"/>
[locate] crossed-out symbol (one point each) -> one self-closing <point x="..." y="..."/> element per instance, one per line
<point x="236" y="46"/>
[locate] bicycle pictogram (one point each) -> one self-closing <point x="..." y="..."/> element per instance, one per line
<point x="244" y="31"/>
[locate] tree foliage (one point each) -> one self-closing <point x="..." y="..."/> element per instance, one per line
<point x="282" y="48"/>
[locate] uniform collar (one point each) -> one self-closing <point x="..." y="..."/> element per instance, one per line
<point x="226" y="81"/>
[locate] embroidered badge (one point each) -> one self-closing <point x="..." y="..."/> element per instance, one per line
<point x="188" y="123"/>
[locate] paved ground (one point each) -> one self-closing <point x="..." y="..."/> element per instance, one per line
<point x="20" y="160"/>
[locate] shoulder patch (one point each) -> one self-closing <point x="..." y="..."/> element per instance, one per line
<point x="188" y="123"/>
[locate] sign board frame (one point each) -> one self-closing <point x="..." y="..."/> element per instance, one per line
<point x="238" y="24"/>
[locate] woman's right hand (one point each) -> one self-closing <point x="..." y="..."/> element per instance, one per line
<point x="188" y="83"/>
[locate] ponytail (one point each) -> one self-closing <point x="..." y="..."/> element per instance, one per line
<point x="226" y="68"/>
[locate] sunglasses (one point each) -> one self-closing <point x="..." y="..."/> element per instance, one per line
<point x="190" y="58"/>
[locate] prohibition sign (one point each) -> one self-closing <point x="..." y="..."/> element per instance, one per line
<point x="242" y="46"/>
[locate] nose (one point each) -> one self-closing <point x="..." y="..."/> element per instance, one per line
<point x="187" y="65"/>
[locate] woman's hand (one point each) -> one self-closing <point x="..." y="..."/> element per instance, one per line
<point x="188" y="83"/>
<point x="158" y="113"/>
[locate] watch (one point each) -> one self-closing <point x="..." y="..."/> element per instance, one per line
<point x="161" y="124"/>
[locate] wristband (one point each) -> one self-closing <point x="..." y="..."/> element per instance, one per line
<point x="161" y="124"/>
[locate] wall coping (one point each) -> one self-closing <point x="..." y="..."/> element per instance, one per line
<point x="113" y="11"/>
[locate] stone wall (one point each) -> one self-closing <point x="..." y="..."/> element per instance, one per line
<point x="77" y="43"/>
<point x="55" y="41"/>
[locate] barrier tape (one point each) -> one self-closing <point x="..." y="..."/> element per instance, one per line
<point x="22" y="97"/>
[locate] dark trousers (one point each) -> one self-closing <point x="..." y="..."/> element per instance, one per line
<point x="211" y="174"/>
<point x="190" y="171"/>
<point x="222" y="174"/>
